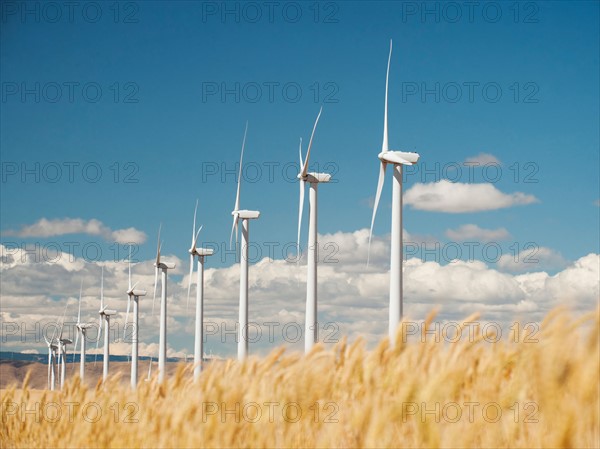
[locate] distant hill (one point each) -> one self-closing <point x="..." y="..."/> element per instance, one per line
<point x="43" y="358"/>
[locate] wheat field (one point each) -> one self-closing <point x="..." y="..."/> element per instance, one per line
<point x="528" y="393"/>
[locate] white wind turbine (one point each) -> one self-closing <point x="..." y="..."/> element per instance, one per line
<point x="81" y="331"/>
<point x="310" y="326"/>
<point x="397" y="159"/>
<point x="162" y="345"/>
<point x="133" y="294"/>
<point x="245" y="216"/>
<point x="201" y="253"/>
<point x="105" y="314"/>
<point x="54" y="355"/>
<point x="62" y="355"/>
<point x="51" y="362"/>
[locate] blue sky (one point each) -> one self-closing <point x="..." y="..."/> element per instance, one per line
<point x="543" y="122"/>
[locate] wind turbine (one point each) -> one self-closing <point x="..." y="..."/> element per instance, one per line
<point x="397" y="159"/>
<point x="62" y="354"/>
<point x="51" y="362"/>
<point x="198" y="336"/>
<point x="133" y="294"/>
<point x="105" y="314"/>
<point x="310" y="326"/>
<point x="81" y="330"/>
<point x="162" y="345"/>
<point x="245" y="216"/>
<point x="54" y="354"/>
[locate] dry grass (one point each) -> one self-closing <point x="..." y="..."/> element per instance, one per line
<point x="547" y="393"/>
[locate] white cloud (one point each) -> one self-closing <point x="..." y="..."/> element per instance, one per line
<point x="532" y="259"/>
<point x="353" y="298"/>
<point x="483" y="159"/>
<point x="445" y="196"/>
<point x="474" y="232"/>
<point x="63" y="226"/>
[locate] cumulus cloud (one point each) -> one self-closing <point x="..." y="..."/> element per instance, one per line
<point x="353" y="299"/>
<point x="533" y="258"/>
<point x="445" y="196"/>
<point x="474" y="232"/>
<point x="63" y="226"/>
<point x="483" y="159"/>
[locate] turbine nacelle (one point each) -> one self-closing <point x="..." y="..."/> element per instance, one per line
<point x="314" y="178"/>
<point x="165" y="265"/>
<point x="108" y="312"/>
<point x="202" y="251"/>
<point x="399" y="157"/>
<point x="246" y="214"/>
<point x="66" y="341"/>
<point x="137" y="292"/>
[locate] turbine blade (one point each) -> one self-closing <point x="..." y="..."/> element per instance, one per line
<point x="195" y="242"/>
<point x="385" y="146"/>
<point x="126" y="316"/>
<point x="79" y="311"/>
<point x="150" y="368"/>
<point x="233" y="228"/>
<point x="237" y="196"/>
<point x="62" y="322"/>
<point x="102" y="289"/>
<point x="158" y="246"/>
<point x="74" y="349"/>
<point x="300" y="154"/>
<point x="155" y="284"/>
<point x="377" y="197"/>
<point x="305" y="166"/>
<point x="187" y="306"/>
<point x="194" y="225"/>
<point x="129" y="266"/>
<point x="300" y="209"/>
<point x="98" y="338"/>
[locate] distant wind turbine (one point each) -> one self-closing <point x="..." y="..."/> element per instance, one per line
<point x="81" y="330"/>
<point x="162" y="345"/>
<point x="105" y="314"/>
<point x="245" y="216"/>
<point x="133" y="295"/>
<point x="310" y="326"/>
<point x="51" y="362"/>
<point x="198" y="335"/>
<point x="397" y="159"/>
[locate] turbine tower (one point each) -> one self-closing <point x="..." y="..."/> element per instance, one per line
<point x="162" y="345"/>
<point x="133" y="294"/>
<point x="245" y="216"/>
<point x="397" y="159"/>
<point x="81" y="330"/>
<point x="314" y="179"/>
<point x="199" y="329"/>
<point x="105" y="314"/>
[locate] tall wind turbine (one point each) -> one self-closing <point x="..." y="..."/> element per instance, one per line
<point x="314" y="179"/>
<point x="105" y="314"/>
<point x="245" y="216"/>
<point x="81" y="330"/>
<point x="133" y="294"/>
<point x="162" y="345"/>
<point x="397" y="159"/>
<point x="201" y="253"/>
